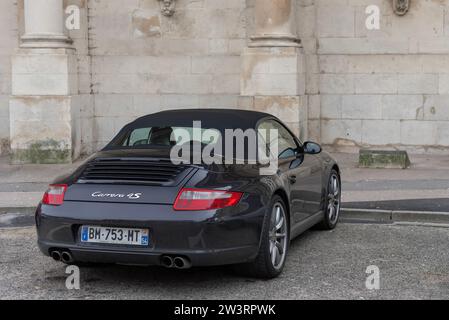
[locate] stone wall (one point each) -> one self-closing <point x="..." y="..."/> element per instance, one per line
<point x="307" y="32"/>
<point x="143" y="62"/>
<point x="8" y="42"/>
<point x="384" y="87"/>
<point x="345" y="87"/>
<point x="85" y="98"/>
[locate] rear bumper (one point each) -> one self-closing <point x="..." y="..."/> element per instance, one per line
<point x="197" y="258"/>
<point x="207" y="238"/>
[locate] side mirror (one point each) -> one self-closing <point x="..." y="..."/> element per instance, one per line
<point x="312" y="147"/>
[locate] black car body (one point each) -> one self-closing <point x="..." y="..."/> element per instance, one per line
<point x="136" y="186"/>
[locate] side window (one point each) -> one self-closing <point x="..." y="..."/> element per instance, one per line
<point x="207" y="135"/>
<point x="287" y="146"/>
<point x="138" y="137"/>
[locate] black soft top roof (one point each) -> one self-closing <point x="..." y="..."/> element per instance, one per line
<point x="219" y="119"/>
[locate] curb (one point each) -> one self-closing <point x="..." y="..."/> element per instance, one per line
<point x="392" y="216"/>
<point x="23" y="210"/>
<point x="347" y="215"/>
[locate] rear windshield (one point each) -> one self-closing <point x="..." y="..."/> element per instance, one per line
<point x="166" y="136"/>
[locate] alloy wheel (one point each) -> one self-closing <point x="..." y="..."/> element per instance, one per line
<point x="333" y="199"/>
<point x="278" y="236"/>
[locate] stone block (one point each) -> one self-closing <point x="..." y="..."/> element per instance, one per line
<point x="40" y="84"/>
<point x="270" y="85"/>
<point x="179" y="101"/>
<point x="4" y="129"/>
<point x="286" y="108"/>
<point x="433" y="45"/>
<point x="383" y="159"/>
<point x="335" y="21"/>
<point x="104" y="128"/>
<point x="36" y="108"/>
<point x="361" y="107"/>
<point x="218" y="46"/>
<point x="44" y="72"/>
<point x="375" y="84"/>
<point x="314" y="130"/>
<point x="309" y="45"/>
<point x="216" y="65"/>
<point x="434" y="63"/>
<point x="337" y="84"/>
<point x="113" y="105"/>
<point x="443" y="84"/>
<point x="398" y="107"/>
<point x="4" y="107"/>
<point x="218" y="101"/>
<point x="228" y="4"/>
<point x="384" y="64"/>
<point x="381" y="132"/>
<point x="87" y="136"/>
<point x="183" y="47"/>
<point x="331" y="107"/>
<point x="273" y="72"/>
<point x="144" y="104"/>
<point x="418" y="133"/>
<point x="127" y="83"/>
<point x="379" y="64"/>
<point x="341" y="132"/>
<point x="312" y="82"/>
<point x="418" y="84"/>
<point x="226" y="84"/>
<point x="363" y="46"/>
<point x="333" y="64"/>
<point x="236" y="46"/>
<point x="141" y="65"/>
<point x="187" y="84"/>
<point x="443" y="133"/>
<point x="44" y="129"/>
<point x="436" y="107"/>
<point x="314" y="104"/>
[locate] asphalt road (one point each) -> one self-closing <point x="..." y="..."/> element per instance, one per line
<point x="413" y="263"/>
<point x="429" y="205"/>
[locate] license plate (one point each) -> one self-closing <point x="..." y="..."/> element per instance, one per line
<point x="128" y="236"/>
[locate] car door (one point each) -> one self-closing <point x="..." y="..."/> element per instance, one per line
<point x="298" y="170"/>
<point x="308" y="186"/>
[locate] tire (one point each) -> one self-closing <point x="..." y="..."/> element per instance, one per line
<point x="332" y="203"/>
<point x="262" y="266"/>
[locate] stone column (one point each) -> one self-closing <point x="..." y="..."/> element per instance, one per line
<point x="273" y="72"/>
<point x="44" y="107"/>
<point x="275" y="24"/>
<point x="44" y="24"/>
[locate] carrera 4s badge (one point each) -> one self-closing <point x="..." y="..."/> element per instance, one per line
<point x="132" y="196"/>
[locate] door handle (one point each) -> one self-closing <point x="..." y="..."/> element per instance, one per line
<point x="292" y="179"/>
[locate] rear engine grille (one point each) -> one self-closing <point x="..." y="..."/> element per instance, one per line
<point x="161" y="173"/>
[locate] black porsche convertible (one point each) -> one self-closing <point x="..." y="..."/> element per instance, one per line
<point x="133" y="203"/>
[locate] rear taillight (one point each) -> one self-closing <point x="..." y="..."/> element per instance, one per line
<point x="202" y="199"/>
<point x="55" y="194"/>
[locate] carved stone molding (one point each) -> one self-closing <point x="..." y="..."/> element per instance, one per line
<point x="401" y="7"/>
<point x="167" y="7"/>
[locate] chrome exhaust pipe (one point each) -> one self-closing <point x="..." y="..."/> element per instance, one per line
<point x="66" y="257"/>
<point x="182" y="263"/>
<point x="167" y="261"/>
<point x="55" y="255"/>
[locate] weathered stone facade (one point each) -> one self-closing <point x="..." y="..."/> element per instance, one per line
<point x="313" y="63"/>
